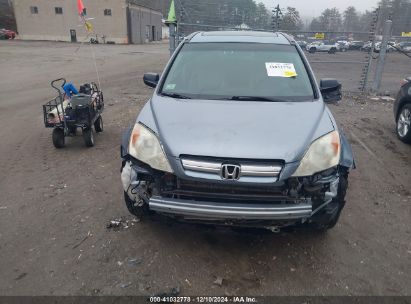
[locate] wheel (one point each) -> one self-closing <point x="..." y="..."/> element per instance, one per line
<point x="138" y="209"/>
<point x="58" y="138"/>
<point x="88" y="136"/>
<point x="344" y="50"/>
<point x="404" y="124"/>
<point x="332" y="51"/>
<point x="329" y="216"/>
<point x="98" y="125"/>
<point x="312" y="50"/>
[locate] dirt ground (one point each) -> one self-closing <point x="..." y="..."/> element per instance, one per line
<point x="55" y="204"/>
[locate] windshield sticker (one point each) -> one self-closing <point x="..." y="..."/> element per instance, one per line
<point x="170" y="86"/>
<point x="277" y="69"/>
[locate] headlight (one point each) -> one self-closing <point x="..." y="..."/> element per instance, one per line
<point x="324" y="153"/>
<point x="145" y="146"/>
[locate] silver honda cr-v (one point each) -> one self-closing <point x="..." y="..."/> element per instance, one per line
<point x="237" y="133"/>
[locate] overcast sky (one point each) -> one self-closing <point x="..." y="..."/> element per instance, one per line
<point x="312" y="8"/>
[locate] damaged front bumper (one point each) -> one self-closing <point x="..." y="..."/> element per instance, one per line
<point x="230" y="211"/>
<point x="296" y="200"/>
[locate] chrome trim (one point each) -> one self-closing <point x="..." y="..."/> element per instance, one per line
<point x="201" y="166"/>
<point x="251" y="170"/>
<point x="259" y="170"/>
<point x="223" y="211"/>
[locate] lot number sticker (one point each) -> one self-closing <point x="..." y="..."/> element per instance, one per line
<point x="277" y="69"/>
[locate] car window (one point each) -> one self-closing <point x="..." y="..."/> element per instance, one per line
<point x="224" y="70"/>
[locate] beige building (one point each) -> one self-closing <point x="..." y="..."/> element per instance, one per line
<point x="118" y="21"/>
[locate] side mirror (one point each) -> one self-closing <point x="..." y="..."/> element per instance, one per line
<point x="330" y="90"/>
<point x="151" y="79"/>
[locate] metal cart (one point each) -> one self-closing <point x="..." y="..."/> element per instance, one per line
<point x="82" y="111"/>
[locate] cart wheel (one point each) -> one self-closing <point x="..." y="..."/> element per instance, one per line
<point x="98" y="125"/>
<point x="88" y="137"/>
<point x="58" y="138"/>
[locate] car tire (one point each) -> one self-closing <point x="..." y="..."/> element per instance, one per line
<point x="332" y="51"/>
<point x="88" y="137"/>
<point x="404" y="124"/>
<point x="312" y="50"/>
<point x="329" y="216"/>
<point x="136" y="210"/>
<point x="98" y="125"/>
<point x="344" y="50"/>
<point x="58" y="138"/>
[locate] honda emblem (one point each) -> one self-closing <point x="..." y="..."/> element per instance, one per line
<point x="230" y="172"/>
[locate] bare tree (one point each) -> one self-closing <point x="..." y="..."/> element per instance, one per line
<point x="351" y="20"/>
<point x="330" y="19"/>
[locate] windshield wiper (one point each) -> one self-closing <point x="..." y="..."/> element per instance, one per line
<point x="256" y="98"/>
<point x="175" y="95"/>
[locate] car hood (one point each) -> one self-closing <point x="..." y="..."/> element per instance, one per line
<point x="238" y="129"/>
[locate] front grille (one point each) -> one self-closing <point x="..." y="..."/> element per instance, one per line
<point x="248" y="170"/>
<point x="219" y="192"/>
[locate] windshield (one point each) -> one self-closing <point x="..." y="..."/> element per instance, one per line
<point x="238" y="71"/>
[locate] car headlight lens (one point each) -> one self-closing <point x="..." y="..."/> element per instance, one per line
<point x="145" y="146"/>
<point x="324" y="153"/>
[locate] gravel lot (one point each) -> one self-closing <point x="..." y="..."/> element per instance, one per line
<point x="54" y="205"/>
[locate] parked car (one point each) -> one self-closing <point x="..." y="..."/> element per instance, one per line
<point x="367" y="46"/>
<point x="377" y="47"/>
<point x="402" y="111"/>
<point x="390" y="48"/>
<point x="8" y="33"/>
<point x="356" y="45"/>
<point x="323" y="46"/>
<point x="249" y="141"/>
<point x="343" y="46"/>
<point x="302" y="43"/>
<point x="405" y="46"/>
